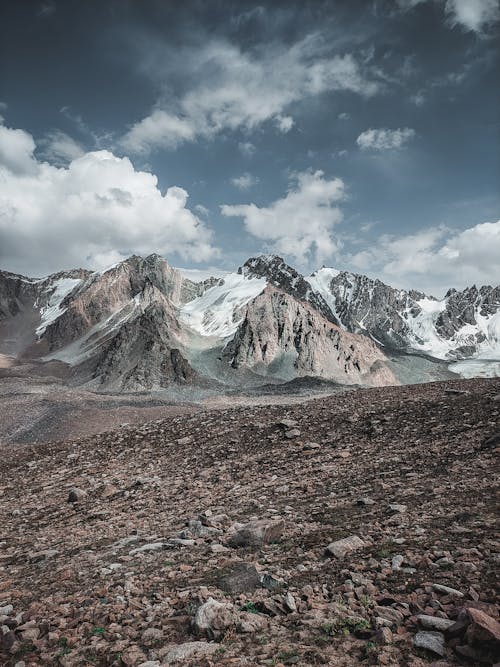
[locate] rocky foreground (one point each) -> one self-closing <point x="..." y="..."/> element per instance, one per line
<point x="356" y="529"/>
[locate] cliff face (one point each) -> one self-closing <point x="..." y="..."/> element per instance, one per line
<point x="135" y="325"/>
<point x="462" y="324"/>
<point x="278" y="328"/>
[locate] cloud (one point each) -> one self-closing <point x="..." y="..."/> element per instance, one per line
<point x="246" y="148"/>
<point x="384" y="139"/>
<point x="470" y="15"/>
<point x="227" y="89"/>
<point x="97" y="209"/>
<point x="284" y="123"/>
<point x="59" y="148"/>
<point x="245" y="181"/>
<point x="435" y="259"/>
<point x="301" y="223"/>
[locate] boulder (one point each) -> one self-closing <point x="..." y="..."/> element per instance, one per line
<point x="257" y="533"/>
<point x="341" y="548"/>
<point x="213" y="618"/>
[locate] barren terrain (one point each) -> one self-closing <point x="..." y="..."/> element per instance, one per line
<point x="219" y="538"/>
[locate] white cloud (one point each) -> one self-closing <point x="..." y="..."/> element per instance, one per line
<point x="246" y="148"/>
<point x="384" y="139"/>
<point x="435" y="259"/>
<point x="228" y="89"/>
<point x="96" y="209"/>
<point x="245" y="181"/>
<point x="284" y="123"/>
<point x="301" y="223"/>
<point x="471" y="15"/>
<point x="59" y="148"/>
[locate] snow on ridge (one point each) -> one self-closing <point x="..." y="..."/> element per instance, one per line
<point x="199" y="275"/>
<point x="320" y="282"/>
<point x="53" y="310"/>
<point x="214" y="312"/>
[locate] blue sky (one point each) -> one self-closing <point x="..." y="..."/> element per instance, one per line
<point x="360" y="135"/>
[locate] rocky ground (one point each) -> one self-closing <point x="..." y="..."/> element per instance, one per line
<point x="355" y="529"/>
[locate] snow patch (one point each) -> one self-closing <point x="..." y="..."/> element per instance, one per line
<point x="215" y="312"/>
<point x="53" y="310"/>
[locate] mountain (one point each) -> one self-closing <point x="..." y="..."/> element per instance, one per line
<point x="141" y="324"/>
<point x="461" y="325"/>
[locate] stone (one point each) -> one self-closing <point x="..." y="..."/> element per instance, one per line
<point x="340" y="548"/>
<point x="389" y="614"/>
<point x="151" y="546"/>
<point x="239" y="578"/>
<point x="430" y="641"/>
<point x="257" y="533"/>
<point x="365" y="501"/>
<point x="6" y="610"/>
<point x="483" y="627"/>
<point x="289" y="603"/>
<point x="384" y="636"/>
<point x="446" y="590"/>
<point x="292" y="433"/>
<point x="397" y="509"/>
<point x="434" y="622"/>
<point x="76" y="495"/>
<point x="287" y="423"/>
<point x="213" y="618"/>
<point x="189" y="650"/>
<point x="151" y="635"/>
<point x="396" y="562"/>
<point x="310" y="446"/>
<point x="250" y="623"/>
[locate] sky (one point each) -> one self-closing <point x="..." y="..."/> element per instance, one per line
<point x="354" y="134"/>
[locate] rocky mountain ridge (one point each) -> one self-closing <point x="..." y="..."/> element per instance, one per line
<point x="142" y="325"/>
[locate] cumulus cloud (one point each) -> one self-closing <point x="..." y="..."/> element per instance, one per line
<point x="59" y="148"/>
<point x="301" y="223"/>
<point x="229" y="89"/>
<point x="245" y="181"/>
<point x="246" y="148"/>
<point x="383" y="139"/>
<point x="92" y="212"/>
<point x="435" y="259"/>
<point x="470" y="15"/>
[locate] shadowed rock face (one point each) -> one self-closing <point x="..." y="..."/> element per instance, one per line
<point x="144" y="352"/>
<point x="392" y="316"/>
<point x="277" y="326"/>
<point x="281" y="275"/>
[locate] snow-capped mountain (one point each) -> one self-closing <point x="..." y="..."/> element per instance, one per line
<point x="142" y="324"/>
<point x="463" y="324"/>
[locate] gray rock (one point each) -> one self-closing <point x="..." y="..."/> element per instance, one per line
<point x="239" y="578"/>
<point x="257" y="533"/>
<point x="188" y="651"/>
<point x="430" y="641"/>
<point x="152" y="546"/>
<point x="293" y="433"/>
<point x="446" y="590"/>
<point x="434" y="622"/>
<point x="340" y="548"/>
<point x="397" y="561"/>
<point x="76" y="495"/>
<point x="213" y="618"/>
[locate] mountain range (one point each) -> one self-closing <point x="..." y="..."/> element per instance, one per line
<point x="142" y="324"/>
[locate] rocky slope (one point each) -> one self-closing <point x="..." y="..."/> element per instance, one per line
<point x="142" y="325"/>
<point x="461" y="325"/>
<point x="352" y="530"/>
<point x="282" y="335"/>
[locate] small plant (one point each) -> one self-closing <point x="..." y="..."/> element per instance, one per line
<point x="25" y="647"/>
<point x="250" y="607"/>
<point x="98" y="631"/>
